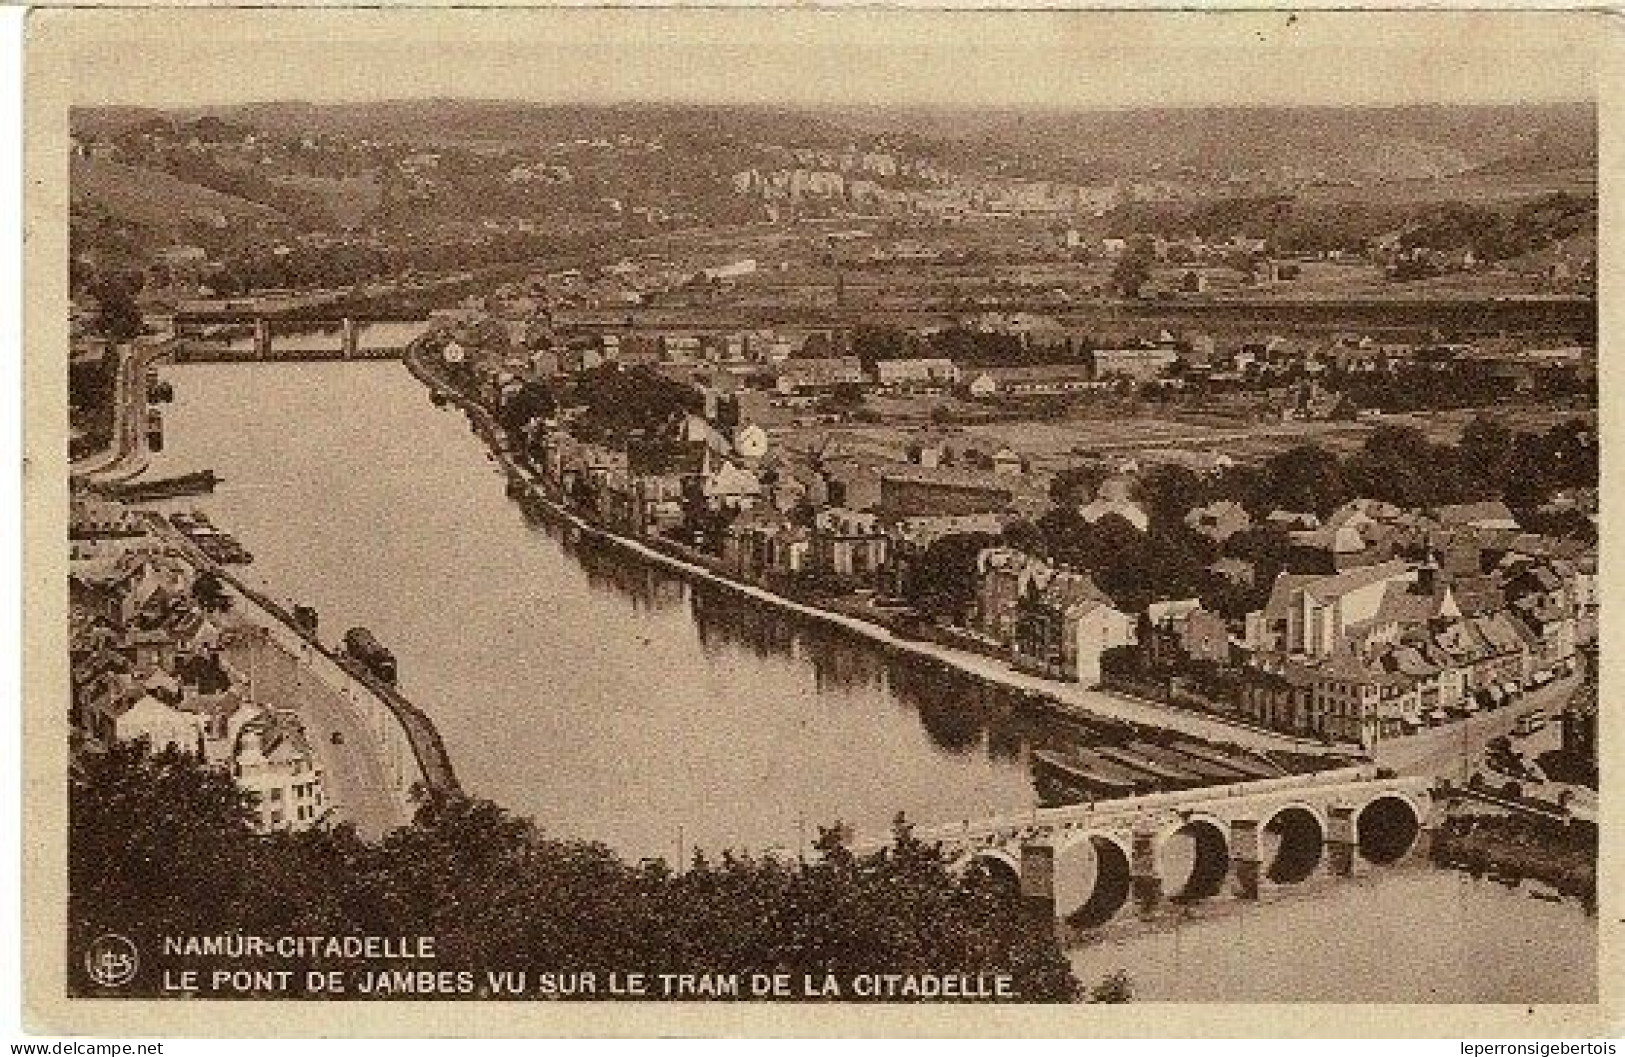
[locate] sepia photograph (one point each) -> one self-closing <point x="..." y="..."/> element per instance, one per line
<point x="1047" y="510"/>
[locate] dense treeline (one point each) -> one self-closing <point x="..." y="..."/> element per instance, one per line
<point x="1397" y="464"/>
<point x="161" y="845"/>
<point x="1400" y="465"/>
<point x="1501" y="234"/>
<point x="1429" y="386"/>
<point x="1294" y="225"/>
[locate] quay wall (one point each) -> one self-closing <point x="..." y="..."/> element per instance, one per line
<point x="281" y="676"/>
<point x="407" y="733"/>
<point x="413" y="750"/>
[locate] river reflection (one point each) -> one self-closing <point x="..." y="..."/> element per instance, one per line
<point x="961" y="714"/>
<point x="1405" y="934"/>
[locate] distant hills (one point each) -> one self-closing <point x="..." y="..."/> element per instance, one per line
<point x="430" y="121"/>
<point x="1307" y="178"/>
<point x="1355" y="142"/>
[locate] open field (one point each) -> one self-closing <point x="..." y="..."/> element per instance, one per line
<point x="147" y="196"/>
<point x="348" y="200"/>
<point x="1051" y="444"/>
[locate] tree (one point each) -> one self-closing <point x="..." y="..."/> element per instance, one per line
<point x="1120" y="558"/>
<point x="1024" y="536"/>
<point x="1169" y="491"/>
<point x="1398" y="464"/>
<point x="306" y="618"/>
<point x="1133" y="268"/>
<point x="942" y="581"/>
<point x="871" y="343"/>
<point x="532" y="403"/>
<point x="1076" y="485"/>
<point x="1306" y="478"/>
<point x="1486" y="457"/>
<point x="210" y="592"/>
<point x="1266" y="547"/>
<point x="163" y="845"/>
<point x="118" y="317"/>
<point x="846" y="396"/>
<point x="157" y="845"/>
<point x="1176" y="559"/>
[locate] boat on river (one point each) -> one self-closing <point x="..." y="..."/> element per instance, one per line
<point x="1081" y="775"/>
<point x="198" y="483"/>
<point x="360" y="644"/>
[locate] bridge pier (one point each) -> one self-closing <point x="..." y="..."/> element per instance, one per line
<point x="1342" y="839"/>
<point x="1145" y="872"/>
<point x="1246" y="856"/>
<point x="350" y="343"/>
<point x="262" y="338"/>
<point x="1422" y="850"/>
<point x="1038" y="880"/>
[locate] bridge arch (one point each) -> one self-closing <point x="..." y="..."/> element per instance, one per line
<point x="994" y="864"/>
<point x="1292" y="842"/>
<point x="1387" y="827"/>
<point x="1193" y="857"/>
<point x="1098" y="876"/>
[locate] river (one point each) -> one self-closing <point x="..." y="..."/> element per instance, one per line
<point x="603" y="697"/>
<point x="612" y="700"/>
<point x="1412" y="933"/>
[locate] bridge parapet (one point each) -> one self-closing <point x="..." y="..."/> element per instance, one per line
<point x="1319" y="788"/>
<point x="1084" y="864"/>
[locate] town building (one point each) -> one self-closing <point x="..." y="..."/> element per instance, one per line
<point x="275" y="764"/>
<point x="925" y="374"/>
<point x="1064" y="623"/>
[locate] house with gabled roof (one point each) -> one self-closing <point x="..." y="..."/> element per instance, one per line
<point x="764" y="541"/>
<point x="1063" y="624"/>
<point x="1219" y="520"/>
<point x="1316" y="616"/>
<point x="1002" y="574"/>
<point x="849" y="542"/>
<point x="1489" y="514"/>
<point x="275" y="764"/>
<point x="1356" y="700"/>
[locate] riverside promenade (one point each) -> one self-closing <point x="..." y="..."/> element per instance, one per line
<point x="126" y="455"/>
<point x="1071" y="699"/>
<point x="384" y="747"/>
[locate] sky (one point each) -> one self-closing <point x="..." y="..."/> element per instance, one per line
<point x="806" y="57"/>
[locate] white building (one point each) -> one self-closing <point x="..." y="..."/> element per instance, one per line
<point x="1099" y="627"/>
<point x="274" y="763"/>
<point x="929" y="371"/>
<point x="163" y="725"/>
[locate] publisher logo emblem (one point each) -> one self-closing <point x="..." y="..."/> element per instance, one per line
<point x="112" y="960"/>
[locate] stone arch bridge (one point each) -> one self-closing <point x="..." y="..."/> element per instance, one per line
<point x="1089" y="864"/>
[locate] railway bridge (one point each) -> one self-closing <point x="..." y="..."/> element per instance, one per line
<point x="1087" y="864"/>
<point x="346" y="338"/>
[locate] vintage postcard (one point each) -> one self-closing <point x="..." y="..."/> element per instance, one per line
<point x="806" y="522"/>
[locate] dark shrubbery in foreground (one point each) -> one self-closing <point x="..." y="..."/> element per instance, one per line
<point x="162" y="846"/>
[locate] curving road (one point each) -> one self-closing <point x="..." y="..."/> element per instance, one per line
<point x="357" y="780"/>
<point x="1454" y="749"/>
<point x="126" y="455"/>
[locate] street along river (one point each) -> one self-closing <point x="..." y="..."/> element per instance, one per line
<point x="612" y="700"/>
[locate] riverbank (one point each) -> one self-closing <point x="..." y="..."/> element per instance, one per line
<point x="1509" y="848"/>
<point x="126" y="456"/>
<point x="407" y="747"/>
<point x="1068" y="700"/>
